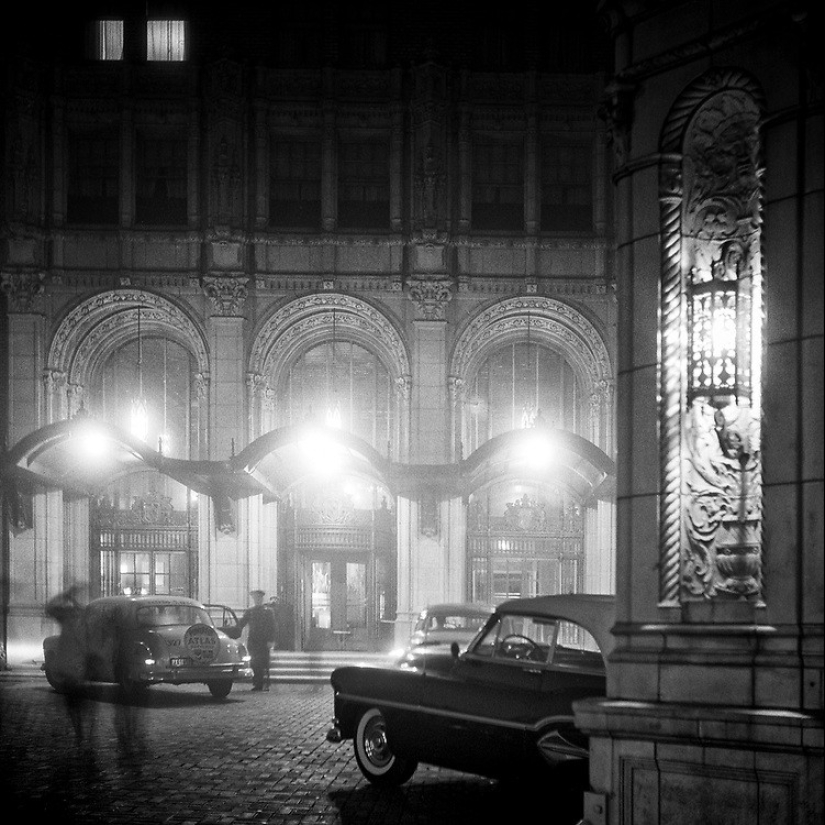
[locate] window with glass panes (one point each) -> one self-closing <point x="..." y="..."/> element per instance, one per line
<point x="295" y="183"/>
<point x="566" y="185"/>
<point x="93" y="189"/>
<point x="345" y="377"/>
<point x="518" y="384"/>
<point x="363" y="184"/>
<point x="166" y="40"/>
<point x="161" y="179"/>
<point x="498" y="184"/>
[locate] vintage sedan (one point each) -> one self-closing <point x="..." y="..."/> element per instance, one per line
<point x="439" y="624"/>
<point x="138" y="641"/>
<point x="501" y="709"/>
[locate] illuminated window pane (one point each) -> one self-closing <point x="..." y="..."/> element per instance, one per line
<point x="108" y="40"/>
<point x="165" y="40"/>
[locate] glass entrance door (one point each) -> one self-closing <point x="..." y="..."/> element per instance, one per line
<point x="336" y="601"/>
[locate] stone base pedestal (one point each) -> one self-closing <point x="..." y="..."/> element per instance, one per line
<point x="665" y="764"/>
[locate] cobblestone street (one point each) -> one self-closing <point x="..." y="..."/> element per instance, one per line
<point x="181" y="757"/>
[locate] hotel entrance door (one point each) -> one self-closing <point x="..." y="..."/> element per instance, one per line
<point x="336" y="604"/>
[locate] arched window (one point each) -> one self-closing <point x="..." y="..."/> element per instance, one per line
<point x="341" y="384"/>
<point x="144" y="529"/>
<point x="518" y="384"/>
<point x="162" y="372"/>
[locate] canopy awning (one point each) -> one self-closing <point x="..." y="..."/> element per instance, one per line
<point x="85" y="456"/>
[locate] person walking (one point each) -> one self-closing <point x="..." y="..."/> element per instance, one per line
<point x="261" y="621"/>
<point x="71" y="663"/>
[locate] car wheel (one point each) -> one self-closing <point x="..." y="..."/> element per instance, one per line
<point x="220" y="690"/>
<point x="373" y="754"/>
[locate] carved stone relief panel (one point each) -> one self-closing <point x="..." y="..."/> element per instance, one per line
<point x="711" y="503"/>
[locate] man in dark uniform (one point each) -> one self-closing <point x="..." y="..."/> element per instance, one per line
<point x="261" y="621"/>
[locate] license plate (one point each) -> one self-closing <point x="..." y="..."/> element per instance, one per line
<point x="179" y="662"/>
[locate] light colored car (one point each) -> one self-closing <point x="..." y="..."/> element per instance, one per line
<point x="138" y="641"/>
<point x="503" y="708"/>
<point x="443" y="624"/>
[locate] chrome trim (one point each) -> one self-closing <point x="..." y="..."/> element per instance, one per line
<point x="456" y="715"/>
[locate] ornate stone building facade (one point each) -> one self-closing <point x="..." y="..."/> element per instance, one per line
<point x="285" y="304"/>
<point x="404" y="307"/>
<point x="715" y="695"/>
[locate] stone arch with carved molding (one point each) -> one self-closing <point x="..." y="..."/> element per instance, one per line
<point x="709" y="529"/>
<point x="298" y="325"/>
<point x="94" y="328"/>
<point x="551" y="322"/>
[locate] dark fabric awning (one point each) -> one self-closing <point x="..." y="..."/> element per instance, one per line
<point x="85" y="456"/>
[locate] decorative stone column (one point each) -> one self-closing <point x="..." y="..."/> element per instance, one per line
<point x="714" y="698"/>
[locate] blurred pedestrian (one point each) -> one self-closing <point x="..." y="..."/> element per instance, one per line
<point x="129" y="709"/>
<point x="70" y="663"/>
<point x="261" y="621"/>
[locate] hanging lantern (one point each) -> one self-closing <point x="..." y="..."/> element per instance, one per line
<point x="718" y="345"/>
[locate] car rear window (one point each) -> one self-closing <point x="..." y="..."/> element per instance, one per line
<point x="455" y="622"/>
<point x="169" y="615"/>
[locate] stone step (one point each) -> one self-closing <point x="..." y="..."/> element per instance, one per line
<point x="316" y="667"/>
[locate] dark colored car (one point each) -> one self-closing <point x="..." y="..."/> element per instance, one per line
<point x="501" y="709"/>
<point x="138" y="641"/>
<point x="446" y="623"/>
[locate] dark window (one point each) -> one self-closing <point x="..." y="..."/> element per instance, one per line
<point x="566" y="186"/>
<point x="94" y="179"/>
<point x="363" y="37"/>
<point x="363" y="185"/>
<point x="498" y="185"/>
<point x="295" y="183"/>
<point x="161" y="180"/>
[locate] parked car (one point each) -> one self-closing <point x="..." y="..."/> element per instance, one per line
<point x="501" y="709"/>
<point x="138" y="641"/>
<point x="443" y="624"/>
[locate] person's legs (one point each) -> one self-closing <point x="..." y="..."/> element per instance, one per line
<point x="257" y="656"/>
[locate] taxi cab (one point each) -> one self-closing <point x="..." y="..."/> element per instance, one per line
<point x="138" y="641"/>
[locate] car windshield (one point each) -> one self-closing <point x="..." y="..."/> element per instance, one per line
<point x="168" y="615"/>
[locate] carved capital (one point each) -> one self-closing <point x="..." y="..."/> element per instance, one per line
<point x="22" y="289"/>
<point x="431" y="298"/>
<point x="226" y="292"/>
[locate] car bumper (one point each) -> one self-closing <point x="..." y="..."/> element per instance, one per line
<point x="188" y="675"/>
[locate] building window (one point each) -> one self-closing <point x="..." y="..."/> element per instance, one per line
<point x="518" y="385"/>
<point x="107" y="40"/>
<point x="94" y="179"/>
<point x="363" y="185"/>
<point x="343" y="382"/>
<point x="161" y="180"/>
<point x="165" y="40"/>
<point x="566" y="186"/>
<point x="498" y="185"/>
<point x="363" y="38"/>
<point x="295" y="183"/>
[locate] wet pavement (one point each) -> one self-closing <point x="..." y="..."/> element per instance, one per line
<point x="179" y="756"/>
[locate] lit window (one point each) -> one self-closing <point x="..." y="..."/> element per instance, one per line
<point x="165" y="40"/>
<point x="108" y="40"/>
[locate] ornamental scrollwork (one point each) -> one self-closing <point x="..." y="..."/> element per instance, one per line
<point x="226" y="293"/>
<point x="431" y="298"/>
<point x="22" y="289"/>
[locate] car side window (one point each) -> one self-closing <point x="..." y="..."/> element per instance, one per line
<point x="576" y="646"/>
<point x="486" y="645"/>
